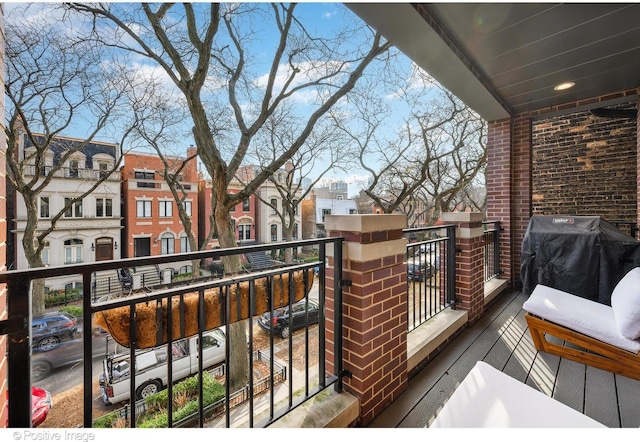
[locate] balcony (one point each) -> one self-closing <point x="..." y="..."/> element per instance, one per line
<point x="73" y="173"/>
<point x="501" y="338"/>
<point x="431" y="353"/>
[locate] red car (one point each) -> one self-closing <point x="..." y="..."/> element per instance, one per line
<point x="40" y="405"/>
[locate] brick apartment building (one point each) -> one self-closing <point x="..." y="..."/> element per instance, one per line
<point x="151" y="222"/>
<point x="243" y="214"/>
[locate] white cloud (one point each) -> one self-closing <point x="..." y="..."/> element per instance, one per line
<point x="329" y="14"/>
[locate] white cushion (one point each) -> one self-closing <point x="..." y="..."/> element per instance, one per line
<point x="580" y="314"/>
<point x="488" y="398"/>
<point x="625" y="302"/>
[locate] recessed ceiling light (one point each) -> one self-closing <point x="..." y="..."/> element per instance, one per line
<point x="564" y="86"/>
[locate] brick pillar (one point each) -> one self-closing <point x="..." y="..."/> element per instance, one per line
<point x="498" y="183"/>
<point x="374" y="308"/>
<point x="469" y="262"/>
<point x="509" y="187"/>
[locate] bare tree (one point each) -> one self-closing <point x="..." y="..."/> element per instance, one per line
<point x="323" y="151"/>
<point x="435" y="152"/>
<point x="54" y="83"/>
<point x="161" y="119"/>
<point x="206" y="49"/>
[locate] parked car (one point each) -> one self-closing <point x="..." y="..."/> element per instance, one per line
<point x="51" y="329"/>
<point x="280" y="322"/>
<point x="419" y="271"/>
<point x="70" y="352"/>
<point x="40" y="405"/>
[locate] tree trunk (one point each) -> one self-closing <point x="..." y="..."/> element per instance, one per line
<point x="33" y="256"/>
<point x="238" y="357"/>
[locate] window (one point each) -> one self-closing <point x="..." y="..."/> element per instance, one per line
<point x="339" y="197"/>
<point x="73" y="168"/>
<point x="245" y="205"/>
<point x="104" y="207"/>
<point x="104" y="169"/>
<point x="274" y="206"/>
<point x="274" y="232"/>
<point x="45" y="253"/>
<point x="73" y="251"/>
<point x="143" y="209"/>
<point x="168" y="243"/>
<point x="325" y="212"/>
<point x="44" y="207"/>
<point x="73" y="211"/>
<point x="295" y="231"/>
<point x="166" y="209"/>
<point x="295" y="207"/>
<point x="184" y="244"/>
<point x="141" y="175"/>
<point x="187" y="207"/>
<point x="353" y="212"/>
<point x="244" y="232"/>
<point x="144" y="175"/>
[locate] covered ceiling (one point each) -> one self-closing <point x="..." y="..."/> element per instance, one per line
<point x="503" y="59"/>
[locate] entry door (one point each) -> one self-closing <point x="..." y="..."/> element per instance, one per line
<point x="141" y="247"/>
<point x="104" y="249"/>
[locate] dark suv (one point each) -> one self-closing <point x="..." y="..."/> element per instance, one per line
<point x="419" y="271"/>
<point x="282" y="323"/>
<point x="49" y="330"/>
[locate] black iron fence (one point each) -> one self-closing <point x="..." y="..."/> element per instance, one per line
<point x="172" y="311"/>
<point x="430" y="260"/>
<point x="491" y="250"/>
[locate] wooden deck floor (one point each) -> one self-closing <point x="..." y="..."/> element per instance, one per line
<point x="501" y="339"/>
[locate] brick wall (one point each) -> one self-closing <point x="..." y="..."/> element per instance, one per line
<point x="516" y="187"/>
<point x="585" y="165"/>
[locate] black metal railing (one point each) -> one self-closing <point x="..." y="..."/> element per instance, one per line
<point x="311" y="350"/>
<point x="491" y="250"/>
<point x="430" y="272"/>
<point x="72" y="172"/>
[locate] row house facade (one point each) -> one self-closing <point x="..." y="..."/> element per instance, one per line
<point x="151" y="221"/>
<point x="89" y="230"/>
<point x="243" y="215"/>
<point x="316" y="209"/>
<point x="256" y="218"/>
<point x="133" y="212"/>
<point x="271" y="204"/>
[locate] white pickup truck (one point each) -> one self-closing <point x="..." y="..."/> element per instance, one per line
<point x="151" y="366"/>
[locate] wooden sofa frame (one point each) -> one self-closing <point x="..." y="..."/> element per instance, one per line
<point x="594" y="352"/>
